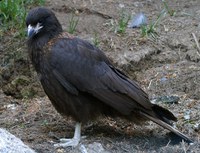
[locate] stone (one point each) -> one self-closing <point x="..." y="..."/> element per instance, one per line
<point x="11" y="144"/>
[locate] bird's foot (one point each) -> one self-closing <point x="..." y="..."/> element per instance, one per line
<point x="67" y="143"/>
<point x="71" y="142"/>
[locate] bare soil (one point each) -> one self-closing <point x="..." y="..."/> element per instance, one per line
<point x="165" y="66"/>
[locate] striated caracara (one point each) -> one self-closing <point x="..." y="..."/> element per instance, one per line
<point x="80" y="80"/>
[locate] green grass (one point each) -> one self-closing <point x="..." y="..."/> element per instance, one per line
<point x="96" y="40"/>
<point x="167" y="9"/>
<point x="35" y="2"/>
<point x="13" y="14"/>
<point x="73" y="22"/>
<point x="150" y="30"/>
<point x="123" y="22"/>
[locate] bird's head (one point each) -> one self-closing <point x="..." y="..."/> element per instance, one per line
<point x="42" y="21"/>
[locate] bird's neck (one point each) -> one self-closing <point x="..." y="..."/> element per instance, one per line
<point x="52" y="41"/>
<point x="36" y="48"/>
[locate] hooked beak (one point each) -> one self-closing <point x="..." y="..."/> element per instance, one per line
<point x="32" y="30"/>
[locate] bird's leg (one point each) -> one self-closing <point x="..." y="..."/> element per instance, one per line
<point x="71" y="142"/>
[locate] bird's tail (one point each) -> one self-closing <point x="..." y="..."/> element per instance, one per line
<point x="163" y="119"/>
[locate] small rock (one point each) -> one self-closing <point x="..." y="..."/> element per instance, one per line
<point x="121" y="5"/>
<point x="11" y="144"/>
<point x="187" y="115"/>
<point x="163" y="79"/>
<point x="11" y="106"/>
<point x="96" y="147"/>
<point x="166" y="99"/>
<point x="60" y="150"/>
<point x="137" y="21"/>
<point x="197" y="127"/>
<point x="83" y="149"/>
<point x="193" y="56"/>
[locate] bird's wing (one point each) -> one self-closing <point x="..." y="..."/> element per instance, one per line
<point x="70" y="88"/>
<point x="80" y="66"/>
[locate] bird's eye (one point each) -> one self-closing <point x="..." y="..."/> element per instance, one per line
<point x="33" y="24"/>
<point x="40" y="21"/>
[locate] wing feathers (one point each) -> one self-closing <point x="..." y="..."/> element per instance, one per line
<point x="120" y="84"/>
<point x="70" y="88"/>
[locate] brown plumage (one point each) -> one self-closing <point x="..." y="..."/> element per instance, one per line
<point x="79" y="79"/>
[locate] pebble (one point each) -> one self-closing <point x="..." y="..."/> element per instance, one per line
<point x="187" y="115"/>
<point x="166" y="99"/>
<point x="197" y="127"/>
<point x="94" y="147"/>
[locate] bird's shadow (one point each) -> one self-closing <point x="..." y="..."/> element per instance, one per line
<point x="136" y="137"/>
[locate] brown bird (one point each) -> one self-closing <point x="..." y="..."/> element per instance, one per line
<point x="80" y="80"/>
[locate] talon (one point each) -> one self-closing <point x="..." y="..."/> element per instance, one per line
<point x="63" y="140"/>
<point x="71" y="142"/>
<point x="67" y="143"/>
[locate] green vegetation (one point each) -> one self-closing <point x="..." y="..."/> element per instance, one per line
<point x="27" y="92"/>
<point x="123" y="22"/>
<point x="167" y="9"/>
<point x="150" y="30"/>
<point x="72" y="24"/>
<point x="13" y="14"/>
<point x="14" y="59"/>
<point x="95" y="40"/>
<point x="45" y="123"/>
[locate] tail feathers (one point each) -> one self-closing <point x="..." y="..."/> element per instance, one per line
<point x="163" y="114"/>
<point x="169" y="127"/>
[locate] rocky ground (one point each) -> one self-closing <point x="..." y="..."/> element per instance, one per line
<point x="166" y="65"/>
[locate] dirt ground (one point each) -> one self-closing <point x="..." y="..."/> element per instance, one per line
<point x="165" y="66"/>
